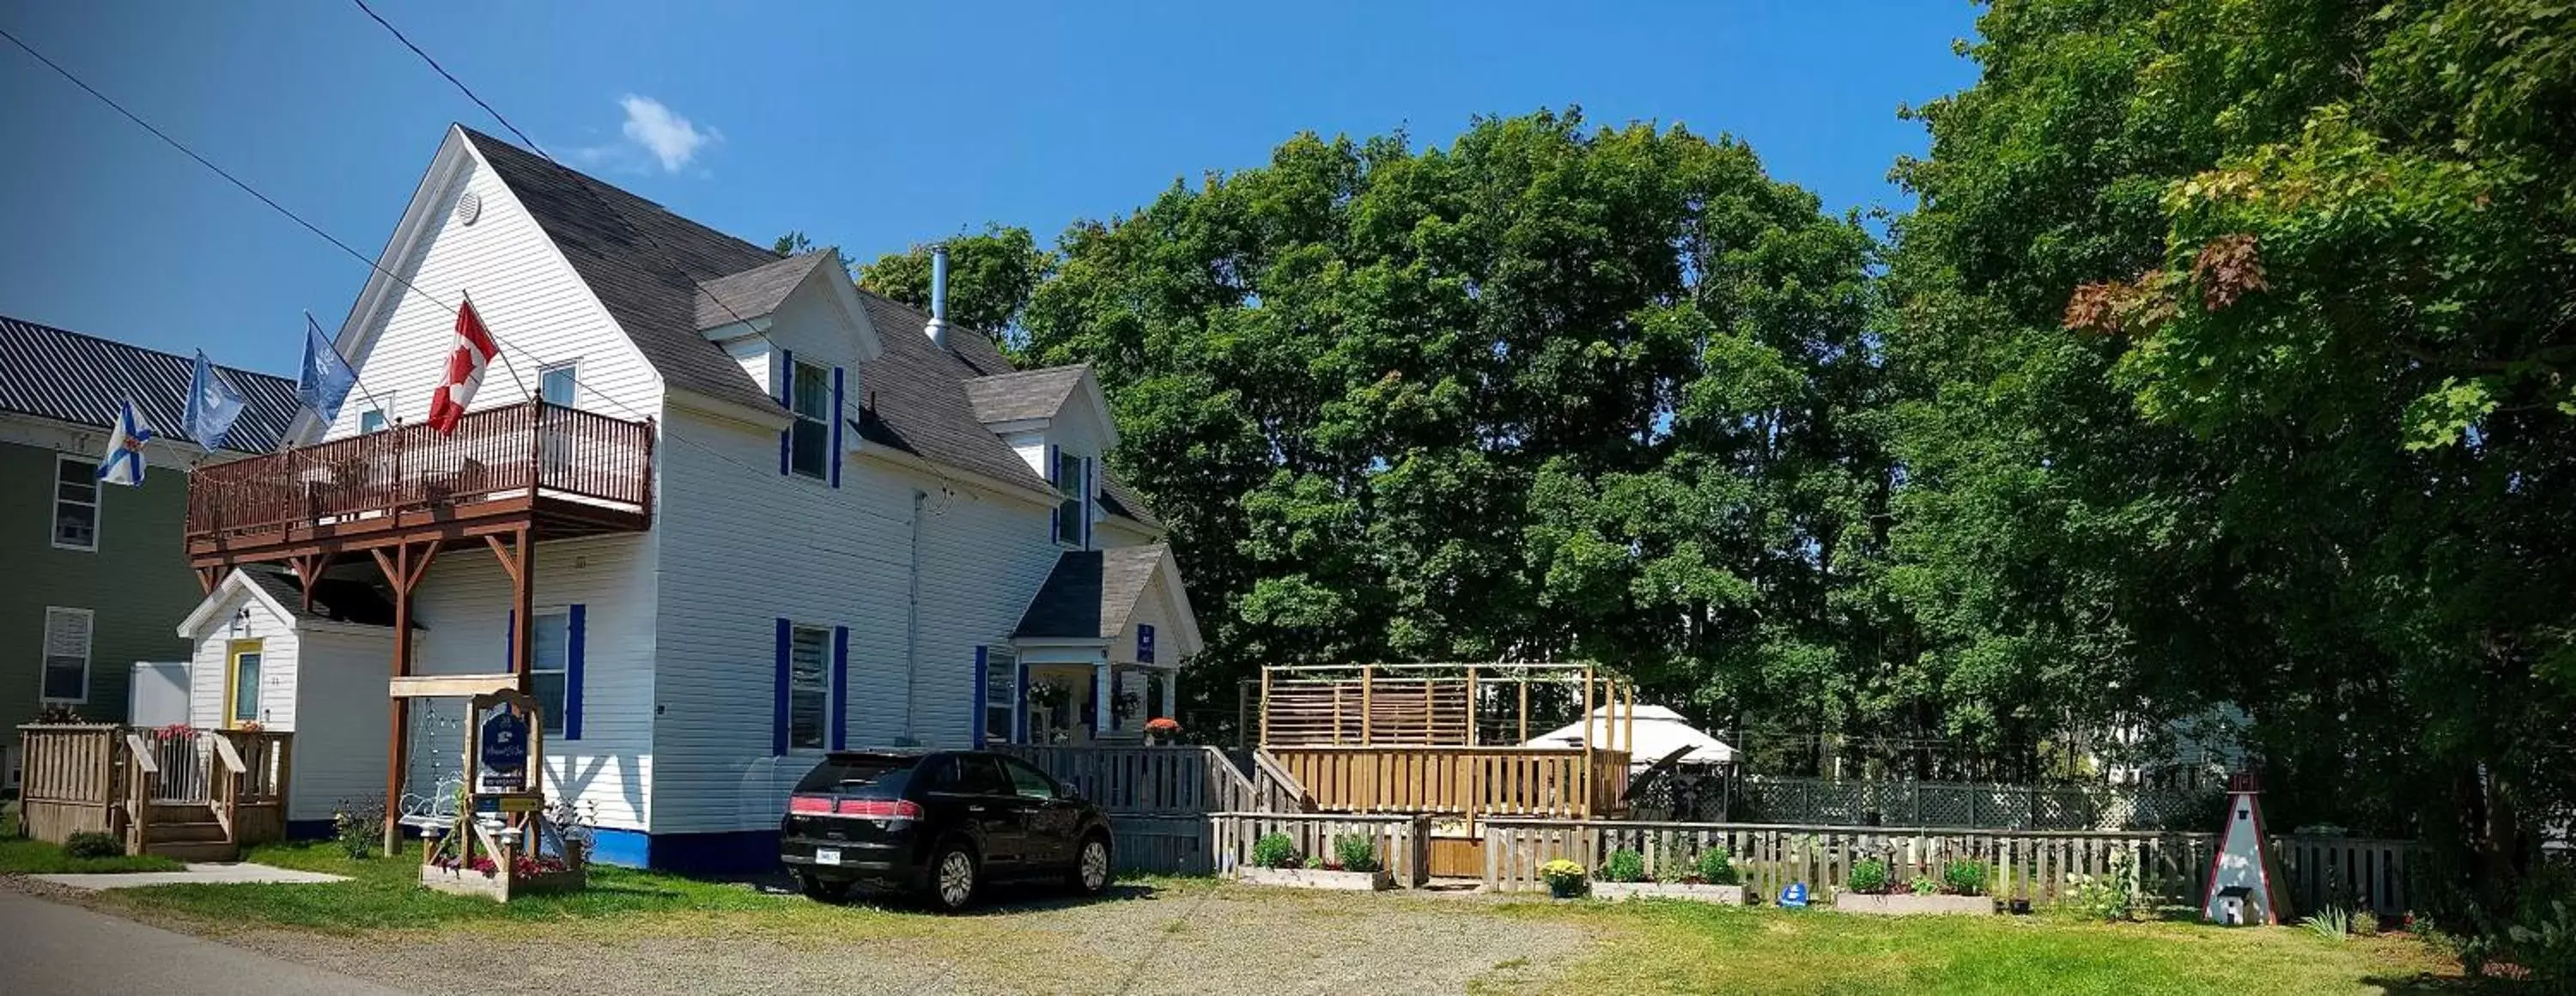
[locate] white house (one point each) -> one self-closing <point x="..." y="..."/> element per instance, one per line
<point x="860" y="526"/>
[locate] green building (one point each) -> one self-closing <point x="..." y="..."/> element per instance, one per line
<point x="94" y="577"/>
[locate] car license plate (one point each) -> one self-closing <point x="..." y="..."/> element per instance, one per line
<point x="827" y="855"/>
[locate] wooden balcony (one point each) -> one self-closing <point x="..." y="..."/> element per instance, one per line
<point x="553" y="471"/>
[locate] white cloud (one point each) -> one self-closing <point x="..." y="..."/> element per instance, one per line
<point x="671" y="139"/>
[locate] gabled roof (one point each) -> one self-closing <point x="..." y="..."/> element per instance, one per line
<point x="335" y="600"/>
<point x="70" y="377"/>
<point x="1092" y="594"/>
<point x="755" y="292"/>
<point x="1023" y="395"/>
<point x="643" y="262"/>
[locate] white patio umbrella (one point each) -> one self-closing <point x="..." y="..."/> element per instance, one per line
<point x="1660" y="732"/>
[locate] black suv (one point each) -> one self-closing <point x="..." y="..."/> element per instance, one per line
<point x="940" y="824"/>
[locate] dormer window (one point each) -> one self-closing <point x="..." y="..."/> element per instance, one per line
<point x="810" y="441"/>
<point x="1072" y="512"/>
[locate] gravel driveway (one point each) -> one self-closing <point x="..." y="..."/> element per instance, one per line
<point x="1190" y="938"/>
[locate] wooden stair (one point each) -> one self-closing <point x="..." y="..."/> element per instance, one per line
<point x="190" y="833"/>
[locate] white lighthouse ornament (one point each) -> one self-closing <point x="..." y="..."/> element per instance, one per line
<point x="2244" y="881"/>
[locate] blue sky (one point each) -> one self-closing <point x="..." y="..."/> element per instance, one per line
<point x="869" y="126"/>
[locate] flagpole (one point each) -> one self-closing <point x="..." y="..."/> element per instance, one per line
<point x="496" y="348"/>
<point x="361" y="382"/>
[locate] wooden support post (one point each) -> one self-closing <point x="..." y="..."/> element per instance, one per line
<point x="1430" y="713"/>
<point x="1265" y="707"/>
<point x="1471" y="705"/>
<point x="1368" y="691"/>
<point x="1524" y="683"/>
<point x="1628" y="738"/>
<point x="402" y="571"/>
<point x="1586" y="727"/>
<point x="518" y="559"/>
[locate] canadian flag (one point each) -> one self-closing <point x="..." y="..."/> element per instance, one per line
<point x="474" y="352"/>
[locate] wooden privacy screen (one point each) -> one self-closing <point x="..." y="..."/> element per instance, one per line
<point x="1438" y="705"/>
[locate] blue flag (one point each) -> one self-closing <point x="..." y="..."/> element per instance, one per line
<point x="326" y="379"/>
<point x="123" y="461"/>
<point x="212" y="405"/>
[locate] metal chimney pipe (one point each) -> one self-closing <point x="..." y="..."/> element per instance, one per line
<point x="938" y="327"/>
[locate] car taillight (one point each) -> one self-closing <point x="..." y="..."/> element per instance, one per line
<point x="881" y="809"/>
<point x="809" y="804"/>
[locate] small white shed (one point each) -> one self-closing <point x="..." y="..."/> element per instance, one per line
<point x="319" y="673"/>
<point x="1660" y="732"/>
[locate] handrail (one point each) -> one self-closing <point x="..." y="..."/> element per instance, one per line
<point x="142" y="776"/>
<point x="1285" y="779"/>
<point x="142" y="754"/>
<point x="232" y="759"/>
<point x="227" y="801"/>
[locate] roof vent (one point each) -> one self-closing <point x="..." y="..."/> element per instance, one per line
<point x="938" y="327"/>
<point x="469" y="208"/>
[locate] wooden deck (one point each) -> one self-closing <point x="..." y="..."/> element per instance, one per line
<point x="555" y="471"/>
<point x="193" y="794"/>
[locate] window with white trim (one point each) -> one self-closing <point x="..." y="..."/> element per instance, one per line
<point x="560" y="384"/>
<point x="809" y="686"/>
<point x="552" y="640"/>
<point x="1070" y="514"/>
<point x="810" y="442"/>
<point x="375" y="419"/>
<point x="67" y="634"/>
<point x="75" y="503"/>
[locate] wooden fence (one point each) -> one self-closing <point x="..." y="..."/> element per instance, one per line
<point x="1470" y="782"/>
<point x="1862" y="802"/>
<point x="70" y="779"/>
<point x="114" y="779"/>
<point x="1403" y="841"/>
<point x="2025" y="865"/>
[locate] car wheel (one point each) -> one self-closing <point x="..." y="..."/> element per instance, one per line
<point x="1091" y="865"/>
<point x="823" y="890"/>
<point x="952" y="878"/>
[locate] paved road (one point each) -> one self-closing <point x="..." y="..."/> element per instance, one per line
<point x="52" y="949"/>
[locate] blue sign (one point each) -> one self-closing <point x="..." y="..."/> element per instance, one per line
<point x="1794" y="897"/>
<point x="1144" y="643"/>
<point x="503" y="754"/>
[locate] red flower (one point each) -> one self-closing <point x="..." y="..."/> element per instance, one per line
<point x="1162" y="724"/>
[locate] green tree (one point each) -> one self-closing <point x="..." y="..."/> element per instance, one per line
<point x="1548" y="391"/>
<point x="991" y="276"/>
<point x="2235" y="336"/>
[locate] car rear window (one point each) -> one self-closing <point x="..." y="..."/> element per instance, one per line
<point x="865" y="776"/>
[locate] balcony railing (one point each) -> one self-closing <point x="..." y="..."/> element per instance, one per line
<point x="522" y="452"/>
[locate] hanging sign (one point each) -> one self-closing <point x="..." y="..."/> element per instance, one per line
<point x="1144" y="643"/>
<point x="502" y="752"/>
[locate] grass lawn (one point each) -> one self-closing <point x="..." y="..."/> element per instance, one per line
<point x="1688" y="947"/>
<point x="24" y="856"/>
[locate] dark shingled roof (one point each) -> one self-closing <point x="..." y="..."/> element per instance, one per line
<point x="1092" y="593"/>
<point x="754" y="292"/>
<point x="661" y="275"/>
<point x="1024" y="394"/>
<point x="334" y="599"/>
<point x="66" y="376"/>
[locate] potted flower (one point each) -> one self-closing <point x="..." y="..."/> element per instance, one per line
<point x="1960" y="889"/>
<point x="1711" y="879"/>
<point x="1565" y="879"/>
<point x="1160" y="729"/>
<point x="1353" y="867"/>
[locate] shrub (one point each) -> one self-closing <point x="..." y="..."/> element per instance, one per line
<point x="1275" y="850"/>
<point x="358" y="828"/>
<point x="1926" y="885"/>
<point x="1716" y="867"/>
<point x="1356" y="852"/>
<point x="2544" y="943"/>
<point x="1624" y="865"/>
<point x="1868" y="877"/>
<point x="91" y="844"/>
<point x="1966" y="878"/>
<point x="2333" y="923"/>
<point x="2104" y="897"/>
<point x="1564" y="878"/>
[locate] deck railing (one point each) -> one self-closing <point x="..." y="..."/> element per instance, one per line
<point x="525" y="449"/>
<point x="1467" y="782"/>
<point x="122" y="780"/>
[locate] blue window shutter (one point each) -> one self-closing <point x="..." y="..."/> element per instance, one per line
<point x="786" y="398"/>
<point x="573" y="641"/>
<point x="836" y="427"/>
<point x="840" y="686"/>
<point x="1020" y="707"/>
<point x="778" y="705"/>
<point x="1087" y="483"/>
<point x="976" y="725"/>
<point x="1055" y="523"/>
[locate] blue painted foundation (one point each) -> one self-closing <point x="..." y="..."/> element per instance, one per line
<point x="736" y="852"/>
<point x="310" y="830"/>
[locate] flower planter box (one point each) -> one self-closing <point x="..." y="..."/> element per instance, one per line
<point x="1908" y="904"/>
<point x="499" y="888"/>
<point x="1722" y="895"/>
<point x="1318" y="878"/>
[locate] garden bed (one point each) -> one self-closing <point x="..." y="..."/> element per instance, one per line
<point x="1722" y="895"/>
<point x="1321" y="878"/>
<point x="1909" y="904"/>
<point x="498" y="887"/>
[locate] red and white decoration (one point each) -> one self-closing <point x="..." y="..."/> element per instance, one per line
<point x="465" y="366"/>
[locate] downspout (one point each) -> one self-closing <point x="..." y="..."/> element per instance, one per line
<point x="912" y="626"/>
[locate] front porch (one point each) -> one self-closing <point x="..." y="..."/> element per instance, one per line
<point x="194" y="795"/>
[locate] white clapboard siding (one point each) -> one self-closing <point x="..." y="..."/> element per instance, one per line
<point x="341" y="712"/>
<point x="207" y="706"/>
<point x="764" y="546"/>
<point x="464" y="601"/>
<point x="527" y="295"/>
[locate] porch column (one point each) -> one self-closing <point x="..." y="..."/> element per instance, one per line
<point x="1171" y="700"/>
<point x="402" y="572"/>
<point x="1103" y="710"/>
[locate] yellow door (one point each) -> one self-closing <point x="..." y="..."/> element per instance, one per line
<point x="241" y="683"/>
